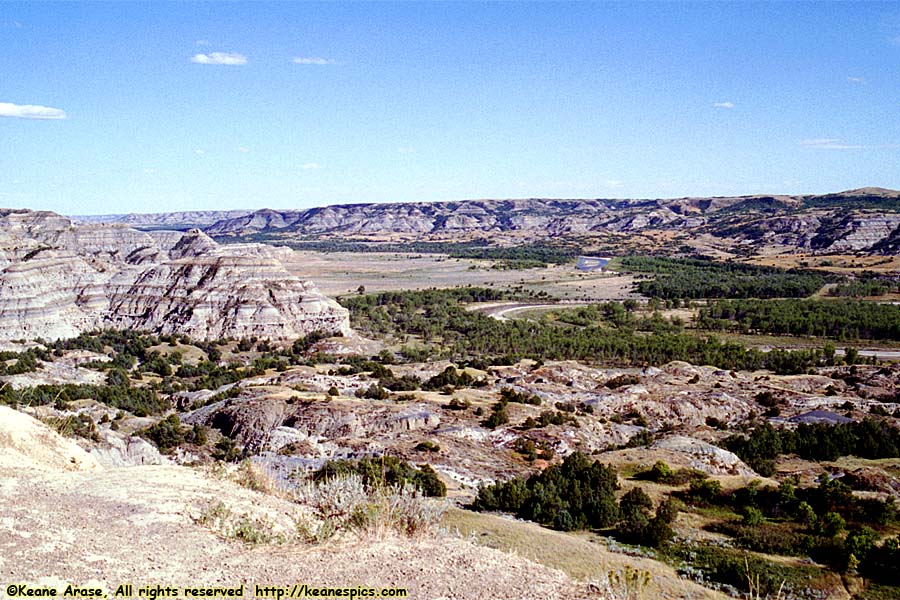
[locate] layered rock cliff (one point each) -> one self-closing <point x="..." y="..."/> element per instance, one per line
<point x="863" y="220"/>
<point x="58" y="280"/>
<point x="173" y="219"/>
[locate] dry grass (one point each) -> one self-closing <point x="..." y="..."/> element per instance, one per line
<point x="343" y="505"/>
<point x="838" y="263"/>
<point x="346" y="504"/>
<point x="254" y="477"/>
<point x="343" y="272"/>
<point x="582" y="556"/>
<point x="888" y="465"/>
<point x="190" y="354"/>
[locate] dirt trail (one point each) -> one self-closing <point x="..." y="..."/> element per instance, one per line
<point x="502" y="311"/>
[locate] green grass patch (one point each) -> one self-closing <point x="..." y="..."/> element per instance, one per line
<point x="731" y="567"/>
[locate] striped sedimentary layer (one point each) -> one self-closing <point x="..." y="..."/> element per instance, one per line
<point x="58" y="280"/>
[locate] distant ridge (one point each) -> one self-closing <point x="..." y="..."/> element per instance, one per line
<point x="862" y="220"/>
<point x="869" y="191"/>
<point x="179" y="219"/>
<point x="184" y="219"/>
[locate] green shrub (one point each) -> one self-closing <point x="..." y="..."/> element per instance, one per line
<point x="662" y="473"/>
<point x="704" y="491"/>
<point x="510" y="395"/>
<point x="636" y="524"/>
<point x="752" y="516"/>
<point x="641" y="438"/>
<point x="732" y="567"/>
<point x="622" y="381"/>
<point x="785" y="539"/>
<point x="457" y="404"/>
<point x="448" y="377"/>
<point x="577" y="494"/>
<point x="196" y="435"/>
<point x="427" y="446"/>
<point x="373" y="392"/>
<point x="141" y="401"/>
<point x="526" y="448"/>
<point x="226" y="450"/>
<point x="166" y="434"/>
<point x="634" y="514"/>
<point x="831" y="524"/>
<point x="498" y="416"/>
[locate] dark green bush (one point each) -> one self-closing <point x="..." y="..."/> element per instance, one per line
<point x="448" y="377"/>
<point x="704" y="491"/>
<point x="497" y="417"/>
<point x="427" y="446"/>
<point x="660" y="472"/>
<point x="510" y="395"/>
<point x="166" y="434"/>
<point x="577" y="494"/>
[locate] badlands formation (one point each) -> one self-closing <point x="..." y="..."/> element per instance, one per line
<point x="58" y="280"/>
<point x="862" y="220"/>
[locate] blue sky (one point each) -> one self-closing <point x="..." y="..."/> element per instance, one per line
<point x="131" y="107"/>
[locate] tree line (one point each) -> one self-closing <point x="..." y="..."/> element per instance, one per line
<point x="694" y="278"/>
<point x="866" y="287"/>
<point x="869" y="438"/>
<point x="534" y="254"/>
<point x="440" y="321"/>
<point x="840" y="319"/>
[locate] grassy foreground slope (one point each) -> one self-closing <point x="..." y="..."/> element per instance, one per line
<point x="145" y="524"/>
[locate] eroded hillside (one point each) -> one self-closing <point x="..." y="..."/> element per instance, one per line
<point x="58" y="280"/>
<point x="864" y="220"/>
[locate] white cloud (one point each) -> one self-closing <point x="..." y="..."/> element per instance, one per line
<point x="30" y="111"/>
<point x="149" y="171"/>
<point x="613" y="183"/>
<point x="312" y="60"/>
<point x="219" y="58"/>
<point x="311" y="166"/>
<point x="839" y="144"/>
<point x="829" y="144"/>
<point x="243" y="149"/>
<point x="856" y="79"/>
<point x="723" y="104"/>
<point x="406" y="150"/>
<point x="199" y="151"/>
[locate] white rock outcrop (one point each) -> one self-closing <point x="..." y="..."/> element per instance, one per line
<point x="705" y="457"/>
<point x="58" y="280"/>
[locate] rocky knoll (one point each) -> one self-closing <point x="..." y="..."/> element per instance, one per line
<point x="58" y="280"/>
